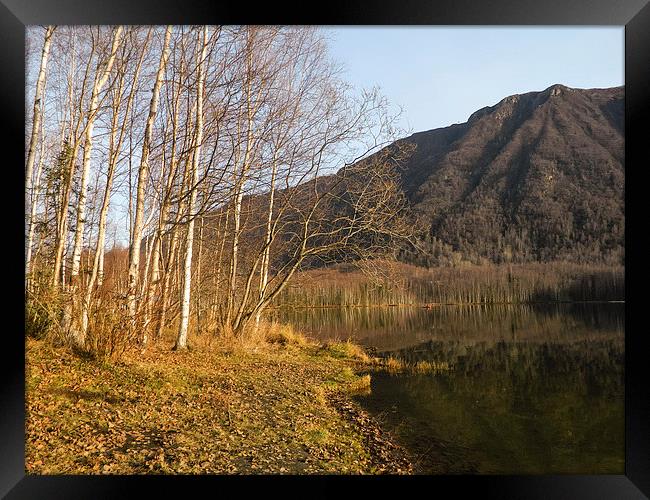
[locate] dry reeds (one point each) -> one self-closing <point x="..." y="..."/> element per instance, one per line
<point x="395" y="365"/>
<point x="360" y="386"/>
<point x="284" y="334"/>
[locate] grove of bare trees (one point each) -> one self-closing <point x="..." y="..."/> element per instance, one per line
<point x="178" y="177"/>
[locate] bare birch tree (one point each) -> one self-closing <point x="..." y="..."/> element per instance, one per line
<point x="103" y="72"/>
<point x="33" y="141"/>
<point x="101" y="76"/>
<point x="181" y="341"/>
<point x="143" y="173"/>
<point x="116" y="137"/>
<point x="247" y="164"/>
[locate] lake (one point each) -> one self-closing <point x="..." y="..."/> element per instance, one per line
<point x="531" y="389"/>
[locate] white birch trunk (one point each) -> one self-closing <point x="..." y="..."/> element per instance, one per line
<point x="115" y="143"/>
<point x="78" y="334"/>
<point x="162" y="317"/>
<point x="62" y="212"/>
<point x="181" y="341"/>
<point x="264" y="271"/>
<point x="31" y="153"/>
<point x="88" y="141"/>
<point x="100" y="267"/>
<point x="232" y="288"/>
<point x="143" y="174"/>
<point x="32" y="215"/>
<point x="198" y="277"/>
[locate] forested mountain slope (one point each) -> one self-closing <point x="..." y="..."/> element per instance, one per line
<point x="537" y="177"/>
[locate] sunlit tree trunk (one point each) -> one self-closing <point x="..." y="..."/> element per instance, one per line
<point x="241" y="182"/>
<point x="33" y="201"/>
<point x="115" y="143"/>
<point x="198" y="276"/>
<point x="78" y="335"/>
<point x="62" y="219"/>
<point x="100" y="80"/>
<point x="74" y="125"/>
<point x="232" y="286"/>
<point x="164" y="294"/>
<point x="31" y="153"/>
<point x="159" y="283"/>
<point x="264" y="270"/>
<point x="221" y="235"/>
<point x="143" y="173"/>
<point x="181" y="341"/>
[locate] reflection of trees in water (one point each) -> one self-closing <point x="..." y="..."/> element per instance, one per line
<point x="526" y="362"/>
<point x="597" y="316"/>
<point x="391" y="282"/>
<point x="390" y="328"/>
<point x="513" y="407"/>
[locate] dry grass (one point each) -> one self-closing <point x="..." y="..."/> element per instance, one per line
<point x="360" y="386"/>
<point x="347" y="349"/>
<point x="394" y="365"/>
<point x="252" y="340"/>
<point x="282" y="409"/>
<point x="284" y="334"/>
<point x="430" y="366"/>
<point x="43" y="305"/>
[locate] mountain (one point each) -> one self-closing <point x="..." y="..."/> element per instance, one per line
<point x="537" y="177"/>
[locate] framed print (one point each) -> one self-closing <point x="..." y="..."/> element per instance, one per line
<point x="386" y="241"/>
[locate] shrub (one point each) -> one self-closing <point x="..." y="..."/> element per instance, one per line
<point x="42" y="311"/>
<point x="109" y="331"/>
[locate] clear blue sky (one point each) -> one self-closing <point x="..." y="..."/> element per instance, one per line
<point x="440" y="75"/>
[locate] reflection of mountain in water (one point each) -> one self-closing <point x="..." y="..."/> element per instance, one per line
<point x="395" y="328"/>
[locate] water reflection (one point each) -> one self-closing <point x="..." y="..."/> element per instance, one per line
<point x="531" y="390"/>
<point x="394" y="328"/>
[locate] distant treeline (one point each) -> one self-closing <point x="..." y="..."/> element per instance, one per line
<point x="392" y="283"/>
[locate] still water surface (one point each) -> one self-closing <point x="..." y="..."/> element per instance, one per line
<point x="531" y="389"/>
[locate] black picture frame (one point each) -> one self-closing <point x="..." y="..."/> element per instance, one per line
<point x="633" y="14"/>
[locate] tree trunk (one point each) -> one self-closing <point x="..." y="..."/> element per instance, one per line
<point x="88" y="144"/>
<point x="264" y="270"/>
<point x="156" y="289"/>
<point x="33" y="200"/>
<point x="181" y="341"/>
<point x="143" y="173"/>
<point x="164" y="295"/>
<point x="78" y="334"/>
<point x="62" y="220"/>
<point x="31" y="153"/>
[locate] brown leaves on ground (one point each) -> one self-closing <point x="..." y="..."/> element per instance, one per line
<point x="276" y="410"/>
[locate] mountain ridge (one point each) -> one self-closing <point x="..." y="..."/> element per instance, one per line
<point x="538" y="176"/>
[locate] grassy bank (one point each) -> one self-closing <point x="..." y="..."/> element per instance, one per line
<point x="283" y="407"/>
